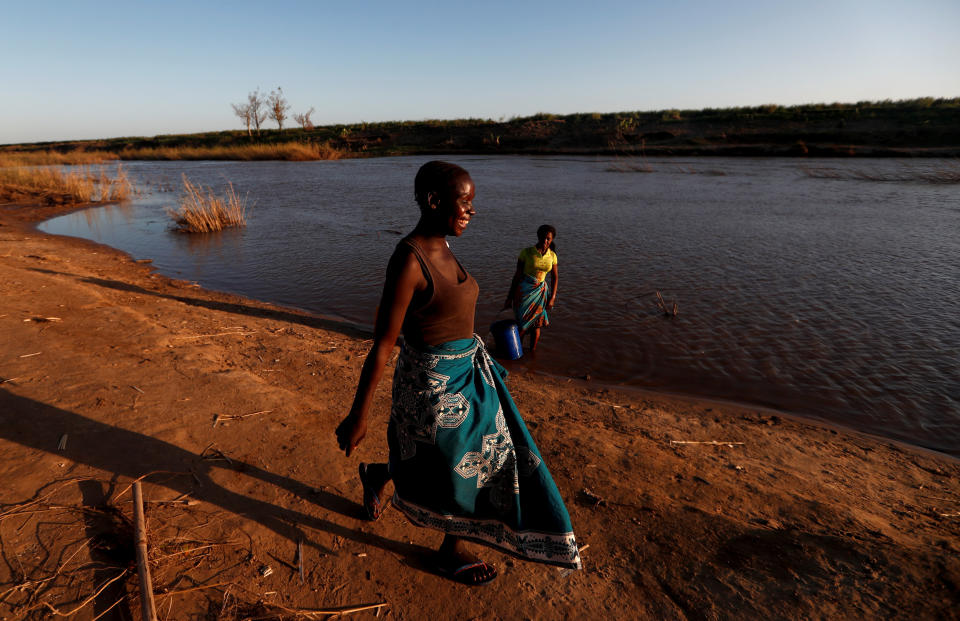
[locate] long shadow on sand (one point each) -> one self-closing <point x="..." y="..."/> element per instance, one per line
<point x="129" y="454"/>
<point x="304" y="319"/>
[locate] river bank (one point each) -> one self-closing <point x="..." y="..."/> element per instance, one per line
<point x="690" y="508"/>
<point x="923" y="127"/>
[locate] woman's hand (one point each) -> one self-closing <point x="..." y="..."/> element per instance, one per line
<point x="404" y="276"/>
<point x="514" y="286"/>
<point x="350" y="432"/>
<point x="550" y="305"/>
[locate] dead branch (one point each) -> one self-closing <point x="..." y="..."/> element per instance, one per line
<point x="710" y="442"/>
<point x="56" y="611"/>
<point x="217" y="418"/>
<point x="314" y="613"/>
<point x="147" y="605"/>
<point x="300" y="558"/>
<point x="212" y="454"/>
<point x="196" y="588"/>
<point x="200" y="336"/>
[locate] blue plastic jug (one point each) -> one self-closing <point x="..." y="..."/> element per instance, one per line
<point x="507" y="337"/>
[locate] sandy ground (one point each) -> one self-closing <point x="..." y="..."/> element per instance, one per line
<point x="227" y="407"/>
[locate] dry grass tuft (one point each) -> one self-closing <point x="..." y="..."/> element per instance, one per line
<point x="202" y="211"/>
<point x="290" y="152"/>
<point x="53" y="185"/>
<point x="54" y="158"/>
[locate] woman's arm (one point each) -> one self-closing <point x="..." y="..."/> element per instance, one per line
<point x="404" y="277"/>
<point x="517" y="277"/>
<point x="555" y="276"/>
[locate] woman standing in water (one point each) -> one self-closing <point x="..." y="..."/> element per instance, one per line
<point x="461" y="458"/>
<point x="529" y="294"/>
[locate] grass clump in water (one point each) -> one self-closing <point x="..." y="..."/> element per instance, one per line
<point x="201" y="210"/>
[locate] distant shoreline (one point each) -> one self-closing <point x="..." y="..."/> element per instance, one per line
<point x="923" y="127"/>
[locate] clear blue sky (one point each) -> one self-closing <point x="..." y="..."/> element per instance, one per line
<point x="72" y="70"/>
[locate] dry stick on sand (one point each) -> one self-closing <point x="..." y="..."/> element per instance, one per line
<point x="147" y="606"/>
<point x="214" y="455"/>
<point x="103" y="587"/>
<point x="598" y="402"/>
<point x="217" y="418"/>
<point x="200" y="336"/>
<point x="710" y="442"/>
<point x="314" y="613"/>
<point x="28" y="583"/>
<point x="300" y="558"/>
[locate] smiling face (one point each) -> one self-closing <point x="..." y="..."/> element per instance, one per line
<point x="455" y="206"/>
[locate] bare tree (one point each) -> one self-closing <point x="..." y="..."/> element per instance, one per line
<point x="278" y="107"/>
<point x="303" y="119"/>
<point x="242" y="110"/>
<point x="258" y="114"/>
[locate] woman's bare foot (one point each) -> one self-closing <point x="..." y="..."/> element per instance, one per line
<point x="460" y="565"/>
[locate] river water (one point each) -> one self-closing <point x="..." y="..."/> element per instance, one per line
<point x="827" y="288"/>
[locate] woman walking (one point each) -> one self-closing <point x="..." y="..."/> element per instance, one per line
<point x="461" y="458"/>
<point x="529" y="294"/>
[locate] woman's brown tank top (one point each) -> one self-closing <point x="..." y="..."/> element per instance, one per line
<point x="449" y="310"/>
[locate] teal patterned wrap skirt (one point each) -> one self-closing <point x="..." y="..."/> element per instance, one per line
<point x="462" y="460"/>
<point x="530" y="307"/>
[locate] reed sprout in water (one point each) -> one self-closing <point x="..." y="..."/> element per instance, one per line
<point x="201" y="210"/>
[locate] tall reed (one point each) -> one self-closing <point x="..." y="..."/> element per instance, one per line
<point x="202" y="211"/>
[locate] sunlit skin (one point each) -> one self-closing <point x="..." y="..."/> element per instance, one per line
<point x="543" y="244"/>
<point x="441" y="214"/>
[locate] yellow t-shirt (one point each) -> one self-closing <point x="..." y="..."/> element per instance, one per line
<point x="536" y="264"/>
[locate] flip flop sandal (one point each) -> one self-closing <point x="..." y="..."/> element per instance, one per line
<point x="371" y="503"/>
<point x="471" y="574"/>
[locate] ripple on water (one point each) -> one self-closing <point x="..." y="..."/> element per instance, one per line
<point x="835" y="298"/>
